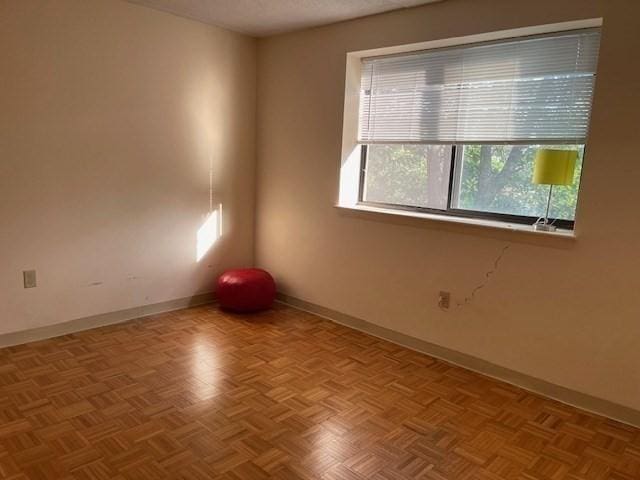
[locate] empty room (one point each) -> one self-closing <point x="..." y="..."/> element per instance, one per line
<point x="319" y="239"/>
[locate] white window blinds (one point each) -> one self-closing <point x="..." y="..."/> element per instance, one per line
<point x="526" y="90"/>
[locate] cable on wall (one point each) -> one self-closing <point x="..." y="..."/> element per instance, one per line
<point x="496" y="263"/>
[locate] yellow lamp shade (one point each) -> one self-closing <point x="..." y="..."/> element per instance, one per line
<point x="554" y="167"/>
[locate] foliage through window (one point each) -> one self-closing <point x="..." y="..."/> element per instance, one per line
<point x="408" y="175"/>
<point x="486" y="181"/>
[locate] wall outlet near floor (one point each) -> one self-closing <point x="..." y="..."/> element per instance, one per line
<point x="29" y="277"/>
<point x="444" y="300"/>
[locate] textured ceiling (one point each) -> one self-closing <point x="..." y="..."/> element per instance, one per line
<point x="266" y="17"/>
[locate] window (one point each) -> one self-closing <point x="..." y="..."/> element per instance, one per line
<point x="407" y="175"/>
<point x="455" y="130"/>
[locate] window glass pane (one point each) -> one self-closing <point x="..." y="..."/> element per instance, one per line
<point x="409" y="175"/>
<point x="497" y="179"/>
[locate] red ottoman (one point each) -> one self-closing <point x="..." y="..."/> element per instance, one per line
<point x="246" y="290"/>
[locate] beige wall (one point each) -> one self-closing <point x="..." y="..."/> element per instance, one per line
<point x="110" y="114"/>
<point x="561" y="310"/>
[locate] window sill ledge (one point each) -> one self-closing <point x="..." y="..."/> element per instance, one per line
<point x="493" y="224"/>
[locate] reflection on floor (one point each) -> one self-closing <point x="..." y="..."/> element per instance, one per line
<point x="200" y="394"/>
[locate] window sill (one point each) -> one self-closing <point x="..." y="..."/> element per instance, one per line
<point x="494" y="224"/>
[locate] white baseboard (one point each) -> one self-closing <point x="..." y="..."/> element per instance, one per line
<point x="565" y="395"/>
<point x="86" y="323"/>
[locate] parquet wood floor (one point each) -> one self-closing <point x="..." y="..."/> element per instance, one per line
<point x="200" y="394"/>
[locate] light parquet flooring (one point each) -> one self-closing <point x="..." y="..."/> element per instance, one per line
<point x="200" y="394"/>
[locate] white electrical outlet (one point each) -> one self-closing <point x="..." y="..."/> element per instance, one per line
<point x="444" y="300"/>
<point x="29" y="278"/>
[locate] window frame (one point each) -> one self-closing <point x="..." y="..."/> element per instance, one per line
<point x="349" y="164"/>
<point x="456" y="149"/>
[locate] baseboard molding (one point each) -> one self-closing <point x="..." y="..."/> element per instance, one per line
<point x="110" y="318"/>
<point x="565" y="395"/>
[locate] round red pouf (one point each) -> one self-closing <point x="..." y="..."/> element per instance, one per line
<point x="246" y="290"/>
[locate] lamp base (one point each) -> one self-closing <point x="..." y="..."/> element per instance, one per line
<point x="544" y="227"/>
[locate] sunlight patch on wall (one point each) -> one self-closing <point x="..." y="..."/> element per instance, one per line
<point x="209" y="233"/>
<point x="350" y="178"/>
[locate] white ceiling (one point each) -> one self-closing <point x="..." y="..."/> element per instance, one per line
<point x="266" y="17"/>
